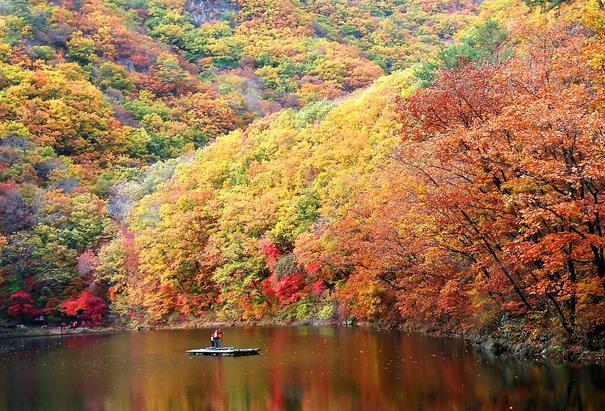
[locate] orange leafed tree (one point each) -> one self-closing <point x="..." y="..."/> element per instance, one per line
<point x="512" y="156"/>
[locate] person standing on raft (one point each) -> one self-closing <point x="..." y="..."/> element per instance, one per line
<point x="216" y="338"/>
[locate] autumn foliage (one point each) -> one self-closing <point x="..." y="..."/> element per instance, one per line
<point x="429" y="164"/>
<point x="21" y="305"/>
<point x="510" y="156"/>
<point x="87" y="306"/>
<point x="463" y="195"/>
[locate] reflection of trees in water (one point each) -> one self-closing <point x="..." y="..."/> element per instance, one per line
<point x="534" y="384"/>
<point x="33" y="346"/>
<point x="574" y="397"/>
<point x="51" y="373"/>
<point x="299" y="369"/>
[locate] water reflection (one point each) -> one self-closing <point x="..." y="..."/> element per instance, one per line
<point x="299" y="369"/>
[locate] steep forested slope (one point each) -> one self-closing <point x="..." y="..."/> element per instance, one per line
<point x="427" y="163"/>
<point x="92" y="93"/>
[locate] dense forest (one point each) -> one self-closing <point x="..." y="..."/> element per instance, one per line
<point x="429" y="164"/>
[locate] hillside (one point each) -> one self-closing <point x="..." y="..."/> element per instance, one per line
<point x="95" y="92"/>
<point x="417" y="163"/>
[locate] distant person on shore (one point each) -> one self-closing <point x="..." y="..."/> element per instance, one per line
<point x="216" y="338"/>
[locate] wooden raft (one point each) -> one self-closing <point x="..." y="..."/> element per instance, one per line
<point x="225" y="351"/>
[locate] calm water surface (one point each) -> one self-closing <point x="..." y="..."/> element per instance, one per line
<point x="300" y="369"/>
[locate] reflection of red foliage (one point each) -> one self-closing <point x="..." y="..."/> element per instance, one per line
<point x="87" y="305"/>
<point x="81" y="341"/>
<point x="21" y="304"/>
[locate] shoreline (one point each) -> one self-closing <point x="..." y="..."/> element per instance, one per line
<point x="56" y="332"/>
<point x="498" y="346"/>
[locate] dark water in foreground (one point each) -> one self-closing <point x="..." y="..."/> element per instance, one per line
<point x="299" y="369"/>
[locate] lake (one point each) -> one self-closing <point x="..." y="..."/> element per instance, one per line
<point x="300" y="368"/>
